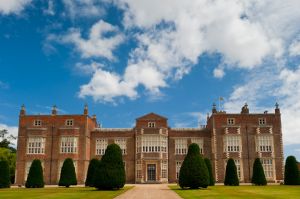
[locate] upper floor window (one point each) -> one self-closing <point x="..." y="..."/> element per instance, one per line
<point x="198" y="141"/>
<point x="181" y="146"/>
<point x="264" y="143"/>
<point x="230" y="121"/>
<point x="37" y="123"/>
<point x="36" y="145"/>
<point x="151" y="124"/>
<point x="68" y="144"/>
<point x="101" y="145"/>
<point x="232" y="143"/>
<point x="122" y="144"/>
<point x="69" y="122"/>
<point x="262" y="121"/>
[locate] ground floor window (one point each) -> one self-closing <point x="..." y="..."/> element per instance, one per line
<point x="60" y="166"/>
<point x="138" y="169"/>
<point x="178" y="166"/>
<point x="164" y="169"/>
<point x="268" y="167"/>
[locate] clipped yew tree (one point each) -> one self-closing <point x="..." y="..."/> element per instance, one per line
<point x="209" y="168"/>
<point x="93" y="165"/>
<point x="67" y="174"/>
<point x="291" y="171"/>
<point x="110" y="173"/>
<point x="35" y="177"/>
<point x="231" y="177"/>
<point x="193" y="172"/>
<point x="4" y="174"/>
<point x="258" y="176"/>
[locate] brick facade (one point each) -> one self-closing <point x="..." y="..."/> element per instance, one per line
<point x="152" y="151"/>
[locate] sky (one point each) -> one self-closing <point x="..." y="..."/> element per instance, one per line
<point x="126" y="58"/>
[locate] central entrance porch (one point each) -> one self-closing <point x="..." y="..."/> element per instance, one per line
<point x="151" y="172"/>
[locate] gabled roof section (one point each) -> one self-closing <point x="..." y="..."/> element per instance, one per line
<point x="151" y="116"/>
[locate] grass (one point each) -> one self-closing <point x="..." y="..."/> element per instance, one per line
<point x="61" y="193"/>
<point x="244" y="192"/>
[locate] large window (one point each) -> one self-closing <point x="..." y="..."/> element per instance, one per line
<point x="36" y="145"/>
<point x="178" y="166"/>
<point x="268" y="168"/>
<point x="198" y="141"/>
<point x="238" y="167"/>
<point x="122" y="144"/>
<point x="164" y="169"/>
<point x="180" y="146"/>
<point x="152" y="143"/>
<point x="232" y="143"/>
<point x="68" y="144"/>
<point x="101" y="145"/>
<point x="264" y="143"/>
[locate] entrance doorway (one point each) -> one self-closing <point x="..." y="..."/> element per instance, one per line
<point x="151" y="172"/>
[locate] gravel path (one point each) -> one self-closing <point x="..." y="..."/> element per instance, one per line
<point x="149" y="191"/>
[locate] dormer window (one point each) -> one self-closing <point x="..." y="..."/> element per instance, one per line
<point x="262" y="121"/>
<point x="69" y="122"/>
<point x="151" y="124"/>
<point x="37" y="123"/>
<point x="230" y="121"/>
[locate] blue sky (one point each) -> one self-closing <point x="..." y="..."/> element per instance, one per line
<point x="125" y="58"/>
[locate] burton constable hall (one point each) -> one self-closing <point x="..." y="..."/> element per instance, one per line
<point x="152" y="150"/>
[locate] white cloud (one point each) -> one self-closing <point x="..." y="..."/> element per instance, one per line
<point x="294" y="49"/>
<point x="97" y="45"/>
<point x="219" y="73"/>
<point x="13" y="130"/>
<point x="84" y="8"/>
<point x="87" y="69"/>
<point x="12" y="6"/>
<point x="50" y="9"/>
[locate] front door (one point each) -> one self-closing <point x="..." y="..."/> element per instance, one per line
<point x="151" y="172"/>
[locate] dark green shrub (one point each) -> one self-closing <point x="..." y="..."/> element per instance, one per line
<point x="4" y="174"/>
<point x="94" y="164"/>
<point x="35" y="177"/>
<point x="111" y="172"/>
<point x="193" y="172"/>
<point x="67" y="174"/>
<point x="291" y="171"/>
<point x="258" y="176"/>
<point x="231" y="177"/>
<point x="209" y="168"/>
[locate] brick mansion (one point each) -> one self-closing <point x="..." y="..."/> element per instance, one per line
<point x="152" y="150"/>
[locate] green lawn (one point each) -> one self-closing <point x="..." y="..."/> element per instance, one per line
<point x="244" y="192"/>
<point x="61" y="193"/>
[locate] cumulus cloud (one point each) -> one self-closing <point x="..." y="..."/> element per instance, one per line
<point x="294" y="48"/>
<point x="84" y="8"/>
<point x="96" y="45"/>
<point x="12" y="6"/>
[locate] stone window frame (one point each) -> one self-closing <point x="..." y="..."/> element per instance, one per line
<point x="27" y="168"/>
<point x="181" y="146"/>
<point x="68" y="144"/>
<point x="232" y="143"/>
<point x="268" y="166"/>
<point x="262" y="121"/>
<point x="36" y="145"/>
<point x="264" y="143"/>
<point x="101" y="145"/>
<point x="178" y="165"/>
<point x="69" y="122"/>
<point x="151" y="124"/>
<point x="198" y="141"/>
<point x="61" y="162"/>
<point x="230" y="121"/>
<point x="122" y="142"/>
<point x="164" y="169"/>
<point x="37" y="123"/>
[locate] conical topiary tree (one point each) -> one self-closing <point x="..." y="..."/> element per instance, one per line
<point x="291" y="171"/>
<point x="111" y="173"/>
<point x="258" y="176"/>
<point x="35" y="177"/>
<point x="193" y="172"/>
<point x="209" y="168"/>
<point x="4" y="174"/>
<point x="94" y="164"/>
<point x="231" y="177"/>
<point x="67" y="174"/>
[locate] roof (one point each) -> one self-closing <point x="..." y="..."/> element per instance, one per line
<point x="151" y="116"/>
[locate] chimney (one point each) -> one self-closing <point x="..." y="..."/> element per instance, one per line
<point x="86" y="110"/>
<point x="54" y="110"/>
<point x="277" y="110"/>
<point x="22" y="111"/>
